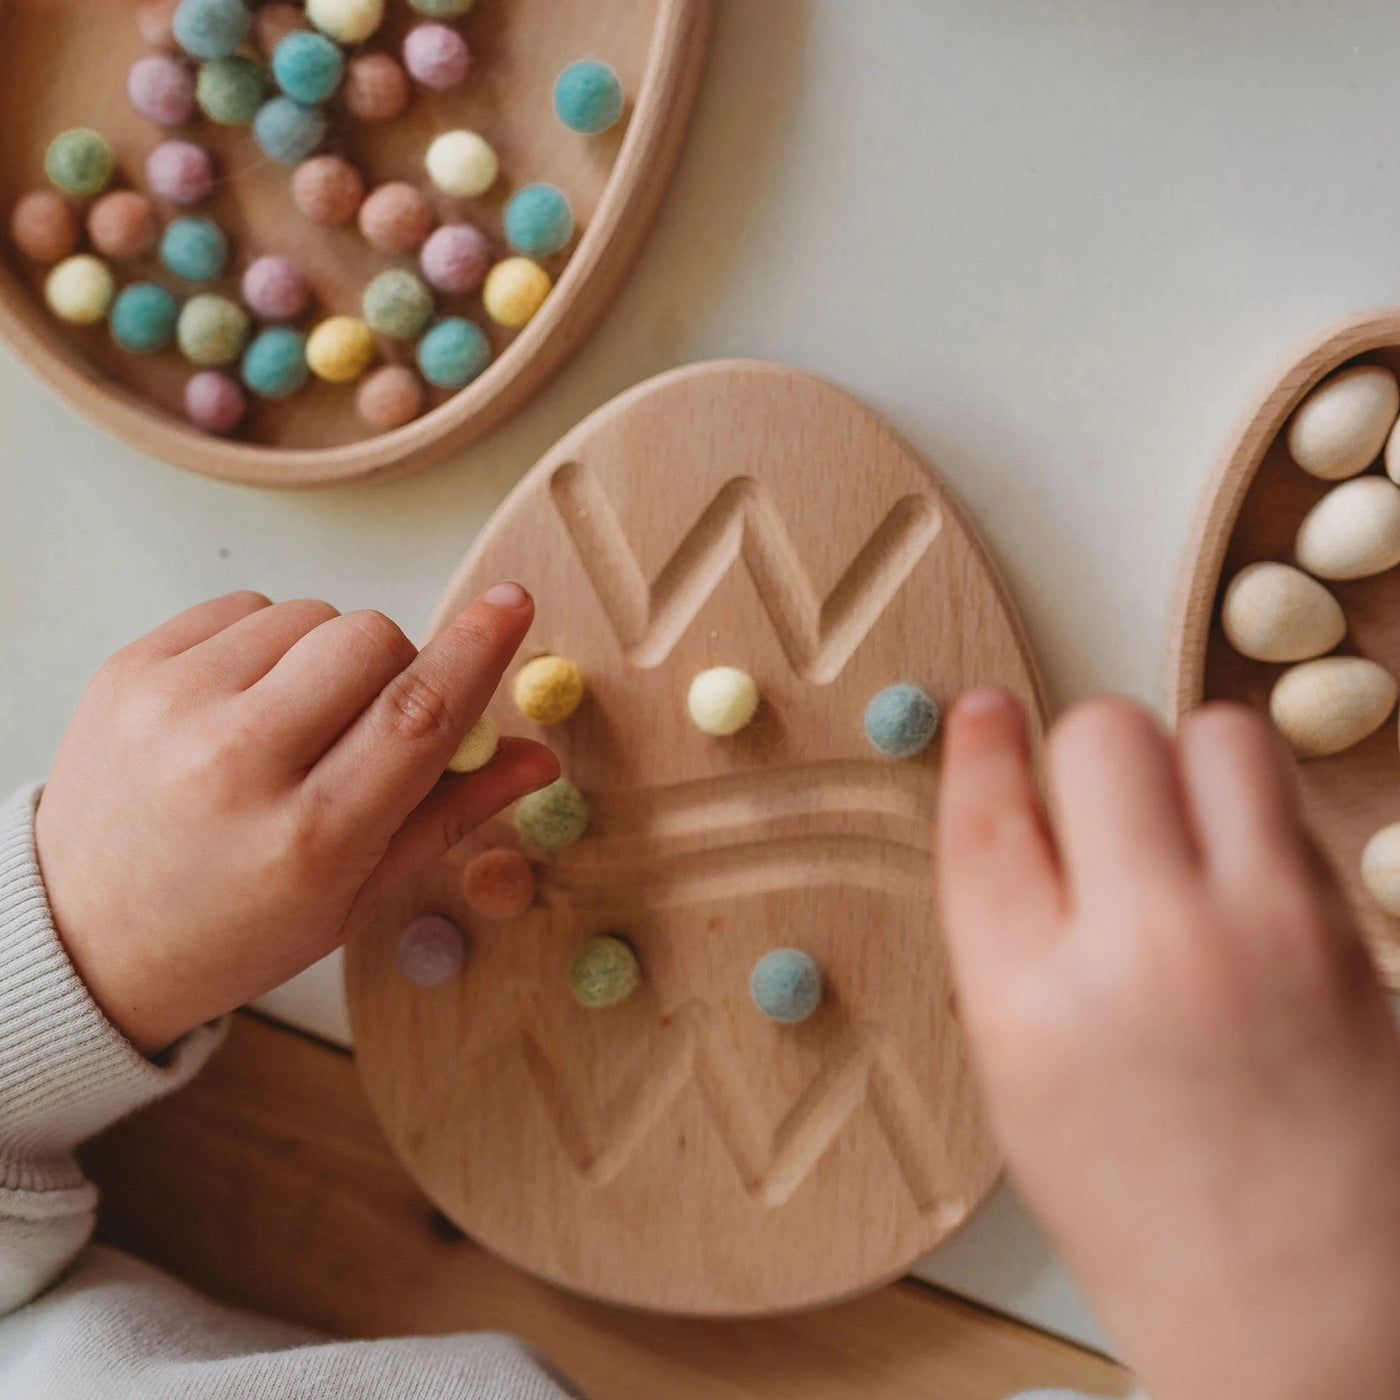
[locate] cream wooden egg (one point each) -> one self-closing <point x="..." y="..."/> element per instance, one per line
<point x="1353" y="531"/>
<point x="1323" y="707"/>
<point x="1380" y="868"/>
<point x="1341" y="427"/>
<point x="1274" y="612"/>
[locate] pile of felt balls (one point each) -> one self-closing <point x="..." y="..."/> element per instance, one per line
<point x="292" y="74"/>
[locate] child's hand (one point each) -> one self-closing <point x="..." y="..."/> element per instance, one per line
<point x="238" y="787"/>
<point x="1188" y="1058"/>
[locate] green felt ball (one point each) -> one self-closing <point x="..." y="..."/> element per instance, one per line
<point x="604" y="972"/>
<point x="588" y="97"/>
<point x="786" y="985"/>
<point x="195" y="249"/>
<point x="453" y="353"/>
<point x="398" y="304"/>
<point x="210" y="28"/>
<point x="308" y="67"/>
<point x="230" y="90"/>
<point x="553" y="817"/>
<point x="274" y="365"/>
<point x="211" y="330"/>
<point x="79" y="161"/>
<point x="143" y="318"/>
<point x="538" y="220"/>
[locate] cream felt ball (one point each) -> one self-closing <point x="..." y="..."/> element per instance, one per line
<point x="552" y="818"/>
<point x="275" y="288"/>
<point x="436" y="56"/>
<point x="161" y="88"/>
<point x="231" y="90"/>
<point x="143" y="318"/>
<point x="123" y="225"/>
<point x="722" y="700"/>
<point x="604" y="972"/>
<point x="180" y="172"/>
<point x="514" y="291"/>
<point x="79" y="162"/>
<point x="462" y="164"/>
<point x="215" y="401"/>
<point x="210" y="28"/>
<point x="478" y="747"/>
<point x="45" y="226"/>
<point x="211" y="330"/>
<point x="398" y="304"/>
<point x="456" y="258"/>
<point x="389" y="397"/>
<point x="346" y="21"/>
<point x="340" y="349"/>
<point x="376" y="89"/>
<point x="547" y="689"/>
<point x="81" y="290"/>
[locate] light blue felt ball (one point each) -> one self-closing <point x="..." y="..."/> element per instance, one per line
<point x="901" y="721"/>
<point x="274" y="365"/>
<point x="453" y="353"/>
<point x="538" y="220"/>
<point x="210" y="28"/>
<point x="143" y="318"/>
<point x="786" y="985"/>
<point x="308" y="67"/>
<point x="588" y="97"/>
<point x="194" y="249"/>
<point x="288" y="131"/>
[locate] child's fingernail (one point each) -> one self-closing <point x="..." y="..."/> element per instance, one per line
<point x="506" y="595"/>
<point x="989" y="700"/>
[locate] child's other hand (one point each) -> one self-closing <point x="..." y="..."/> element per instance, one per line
<point x="238" y="787"/>
<point x="1187" y="1056"/>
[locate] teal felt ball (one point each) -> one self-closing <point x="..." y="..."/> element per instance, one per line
<point x="274" y="365"/>
<point x="901" y="721"/>
<point x="79" y="161"/>
<point x="538" y="220"/>
<point x="588" y="97"/>
<point x="398" y="304"/>
<point x="453" y="353"/>
<point x="554" y="817"/>
<point x="210" y="28"/>
<point x="143" y="318"/>
<point x="786" y="985"/>
<point x="230" y="90"/>
<point x="287" y="131"/>
<point x="308" y="67"/>
<point x="194" y="249"/>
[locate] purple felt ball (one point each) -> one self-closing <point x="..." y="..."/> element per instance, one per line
<point x="180" y="172"/>
<point x="161" y="88"/>
<point x="215" y="401"/>
<point x="456" y="258"/>
<point x="431" y="951"/>
<point x="436" y="56"/>
<point x="275" y="289"/>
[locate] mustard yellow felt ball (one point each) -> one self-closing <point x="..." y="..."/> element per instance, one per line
<point x="477" y="749"/>
<point x="548" y="689"/>
<point x="515" y="289"/>
<point x="81" y="289"/>
<point x="340" y="349"/>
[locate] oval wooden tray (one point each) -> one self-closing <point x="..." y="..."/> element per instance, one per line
<point x="1251" y="511"/>
<point x="680" y="1152"/>
<point x="64" y="65"/>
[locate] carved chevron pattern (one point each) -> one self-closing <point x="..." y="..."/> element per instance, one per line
<point x="818" y="635"/>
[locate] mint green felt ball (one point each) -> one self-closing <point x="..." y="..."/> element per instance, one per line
<point x="210" y="28"/>
<point x="398" y="304"/>
<point x="79" y="161"/>
<point x="538" y="220"/>
<point x="604" y="972"/>
<point x="194" y="249"/>
<point x="553" y="817"/>
<point x="453" y="353"/>
<point x="143" y="318"/>
<point x="308" y="67"/>
<point x="289" y="131"/>
<point x="211" y="330"/>
<point x="230" y="90"/>
<point x="588" y="97"/>
<point x="274" y="365"/>
<point x="786" y="985"/>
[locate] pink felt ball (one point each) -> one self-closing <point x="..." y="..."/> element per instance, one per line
<point x="44" y="226"/>
<point x="431" y="951"/>
<point x="180" y="171"/>
<point x="275" y="289"/>
<point x="272" y="24"/>
<point x="375" y="88"/>
<point x="456" y="258"/>
<point x="161" y="88"/>
<point x="215" y="401"/>
<point x="390" y="397"/>
<point x="396" y="218"/>
<point x="328" y="190"/>
<point x="123" y="224"/>
<point x="436" y="56"/>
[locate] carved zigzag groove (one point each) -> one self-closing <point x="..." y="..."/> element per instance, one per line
<point x="818" y="635"/>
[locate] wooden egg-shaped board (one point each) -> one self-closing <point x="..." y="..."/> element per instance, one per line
<point x="679" y="1151"/>
<point x="65" y="65"/>
<point x="1251" y="511"/>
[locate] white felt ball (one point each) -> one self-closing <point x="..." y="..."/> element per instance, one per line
<point x="1380" y="868"/>
<point x="462" y="164"/>
<point x="346" y="21"/>
<point x="722" y="700"/>
<point x="1340" y="428"/>
<point x="477" y="749"/>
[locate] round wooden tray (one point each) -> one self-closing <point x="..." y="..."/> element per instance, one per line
<point x="1251" y="511"/>
<point x="65" y="65"/>
<point x="680" y="1152"/>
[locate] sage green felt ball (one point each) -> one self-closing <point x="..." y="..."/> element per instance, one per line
<point x="79" y="161"/>
<point x="442" y="9"/>
<point x="398" y="304"/>
<point x="553" y="817"/>
<point x="603" y="973"/>
<point x="230" y="90"/>
<point x="211" y="330"/>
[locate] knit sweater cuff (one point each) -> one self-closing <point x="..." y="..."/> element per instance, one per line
<point x="65" y="1071"/>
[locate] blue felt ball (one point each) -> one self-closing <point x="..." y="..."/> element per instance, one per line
<point x="143" y="318"/>
<point x="289" y="131"/>
<point x="194" y="249"/>
<point x="588" y="97"/>
<point x="901" y="721"/>
<point x="274" y="365"/>
<point x="538" y="221"/>
<point x="453" y="353"/>
<point x="210" y="28"/>
<point x="786" y="985"/>
<point x="308" y="67"/>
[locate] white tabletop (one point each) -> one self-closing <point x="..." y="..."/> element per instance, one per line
<point x="1057" y="243"/>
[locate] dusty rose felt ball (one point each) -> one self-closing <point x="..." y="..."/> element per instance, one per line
<point x="375" y="88"/>
<point x="396" y="218"/>
<point x="161" y="88"/>
<point x="456" y="258"/>
<point x="180" y="172"/>
<point x="45" y="226"/>
<point x="275" y="288"/>
<point x="436" y="55"/>
<point x="499" y="885"/>
<point x="215" y="401"/>
<point x="123" y="224"/>
<point x="389" y="397"/>
<point x="272" y="24"/>
<point x="328" y="190"/>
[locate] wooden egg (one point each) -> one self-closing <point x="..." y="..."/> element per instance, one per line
<point x="1274" y="612"/>
<point x="1341" y="427"/>
<point x="1326" y="706"/>
<point x="1353" y="531"/>
<point x="1380" y="868"/>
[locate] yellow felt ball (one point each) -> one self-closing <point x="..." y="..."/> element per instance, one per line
<point x="722" y="700"/>
<point x="548" y="689"/>
<point x="81" y="289"/>
<point x="346" y="21"/>
<point x="340" y="349"/>
<point x="477" y="749"/>
<point x="515" y="289"/>
<point x="462" y="164"/>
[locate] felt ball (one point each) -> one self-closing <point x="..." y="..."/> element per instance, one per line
<point x="453" y="353"/>
<point x="274" y="364"/>
<point x="901" y="721"/>
<point x="431" y="951"/>
<point x="275" y="288"/>
<point x="462" y="164"/>
<point x="210" y="28"/>
<point x="328" y="190"/>
<point x="553" y="817"/>
<point x="288" y="132"/>
<point x="308" y="67"/>
<point x="215" y="401"/>
<point x="442" y="9"/>
<point x="180" y="172"/>
<point x="230" y="91"/>
<point x="272" y="24"/>
<point x="346" y="21"/>
<point x="123" y="224"/>
<point x="211" y="330"/>
<point x="154" y="23"/>
<point x="499" y="885"/>
<point x="44" y="226"/>
<point x="547" y="689"/>
<point x="194" y="249"/>
<point x="398" y="304"/>
<point x="588" y="97"/>
<point x="143" y="318"/>
<point x="161" y="88"/>
<point x="80" y="289"/>
<point x="436" y="56"/>
<point x="538" y="220"/>
<point x="722" y="700"/>
<point x="515" y="290"/>
<point x="389" y="397"/>
<point x="478" y="747"/>
<point x="456" y="258"/>
<point x="375" y="88"/>
<point x="79" y="161"/>
<point x="340" y="349"/>
<point x="603" y="973"/>
<point x="786" y="985"/>
<point x="396" y="218"/>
